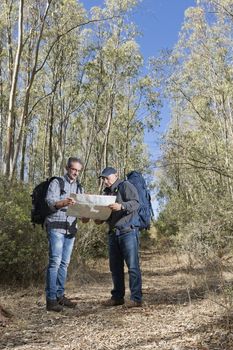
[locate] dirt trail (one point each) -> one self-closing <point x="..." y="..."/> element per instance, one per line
<point x="178" y="313"/>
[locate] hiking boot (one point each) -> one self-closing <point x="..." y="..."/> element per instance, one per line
<point x="133" y="303"/>
<point x="53" y="305"/>
<point x="113" y="302"/>
<point x="64" y="301"/>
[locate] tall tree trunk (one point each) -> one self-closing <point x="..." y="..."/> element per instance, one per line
<point x="1" y="117"/>
<point x="15" y="152"/>
<point x="32" y="158"/>
<point x="46" y="136"/>
<point x="107" y="131"/>
<point x="90" y="138"/>
<point x="11" y="109"/>
<point x="9" y="43"/>
<point x="50" y="170"/>
<point x="22" y="167"/>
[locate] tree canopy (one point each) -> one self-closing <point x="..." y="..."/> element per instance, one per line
<point x="72" y="83"/>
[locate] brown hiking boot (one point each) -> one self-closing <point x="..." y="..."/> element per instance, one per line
<point x="133" y="303"/>
<point x="113" y="302"/>
<point x="53" y="305"/>
<point x="64" y="301"/>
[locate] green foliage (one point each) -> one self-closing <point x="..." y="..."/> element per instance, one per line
<point x="23" y="248"/>
<point x="92" y="241"/>
<point x="166" y="224"/>
<point x="79" y="91"/>
<point x="209" y="233"/>
<point x="196" y="181"/>
<point x="83" y="93"/>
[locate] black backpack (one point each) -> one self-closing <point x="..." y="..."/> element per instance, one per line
<point x="145" y="211"/>
<point x="40" y="209"/>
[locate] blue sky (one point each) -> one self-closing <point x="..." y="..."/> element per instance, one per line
<point x="159" y="21"/>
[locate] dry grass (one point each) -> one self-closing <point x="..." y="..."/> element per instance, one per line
<point x="182" y="311"/>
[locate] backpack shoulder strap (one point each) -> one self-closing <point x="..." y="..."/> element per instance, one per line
<point x="79" y="188"/>
<point x="121" y="190"/>
<point x="61" y="183"/>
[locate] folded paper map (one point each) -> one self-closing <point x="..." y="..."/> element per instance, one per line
<point x="91" y="206"/>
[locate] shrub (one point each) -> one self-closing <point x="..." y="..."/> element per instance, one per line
<point x="23" y="248"/>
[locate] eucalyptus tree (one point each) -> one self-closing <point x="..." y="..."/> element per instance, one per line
<point x="119" y="94"/>
<point x="32" y="33"/>
<point x="62" y="78"/>
<point x="197" y="148"/>
<point x="42" y="27"/>
<point x="75" y="84"/>
<point x="3" y="80"/>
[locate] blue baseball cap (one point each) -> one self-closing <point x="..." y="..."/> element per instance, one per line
<point x="108" y="171"/>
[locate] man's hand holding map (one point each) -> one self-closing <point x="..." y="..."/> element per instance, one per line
<point x="91" y="206"/>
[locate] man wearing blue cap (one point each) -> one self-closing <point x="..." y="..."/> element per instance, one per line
<point x="123" y="239"/>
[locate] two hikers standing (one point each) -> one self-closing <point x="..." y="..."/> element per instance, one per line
<point x="123" y="238"/>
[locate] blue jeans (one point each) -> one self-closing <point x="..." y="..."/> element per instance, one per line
<point x="124" y="247"/>
<point x="60" y="249"/>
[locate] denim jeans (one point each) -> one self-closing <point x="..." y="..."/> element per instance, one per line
<point x="60" y="249"/>
<point x="124" y="247"/>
